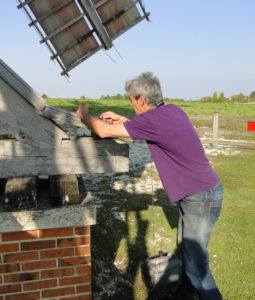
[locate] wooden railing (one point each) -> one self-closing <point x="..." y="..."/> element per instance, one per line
<point x="216" y="133"/>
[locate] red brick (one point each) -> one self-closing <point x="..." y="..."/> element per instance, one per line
<point x="81" y="297"/>
<point x="21" y="235"/>
<point x="74" y="261"/>
<point x="58" y="292"/>
<point x="9" y="268"/>
<point x="83" y="269"/>
<point x="38" y="245"/>
<point x="57" y="253"/>
<point x="25" y="296"/>
<point x="85" y="288"/>
<point x="21" y="277"/>
<point x="21" y="257"/>
<point x="60" y="272"/>
<point x="82" y="250"/>
<point x="75" y="280"/>
<point x="45" y="233"/>
<point x="10" y="288"/>
<point x="82" y="230"/>
<point x="74" y="241"/>
<point x="4" y="248"/>
<point x="39" y="285"/>
<point x="39" y="265"/>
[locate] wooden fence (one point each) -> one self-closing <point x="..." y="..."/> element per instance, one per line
<point x="216" y="135"/>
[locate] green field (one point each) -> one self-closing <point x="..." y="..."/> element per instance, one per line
<point x="125" y="233"/>
<point x="190" y="107"/>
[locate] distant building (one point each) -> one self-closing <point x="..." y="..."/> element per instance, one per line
<point x="234" y="96"/>
<point x="206" y="98"/>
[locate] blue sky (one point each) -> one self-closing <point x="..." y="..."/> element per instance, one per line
<point x="195" y="47"/>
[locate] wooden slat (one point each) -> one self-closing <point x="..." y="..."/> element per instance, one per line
<point x="241" y="119"/>
<point x="194" y="117"/>
<point x="21" y="119"/>
<point x="61" y="115"/>
<point x="21" y="87"/>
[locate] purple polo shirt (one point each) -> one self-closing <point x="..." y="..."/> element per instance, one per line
<point x="176" y="150"/>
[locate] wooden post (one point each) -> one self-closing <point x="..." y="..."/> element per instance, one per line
<point x="215" y="129"/>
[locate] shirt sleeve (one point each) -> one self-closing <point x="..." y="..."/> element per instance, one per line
<point x="142" y="128"/>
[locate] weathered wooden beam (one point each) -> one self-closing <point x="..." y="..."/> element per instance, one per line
<point x="79" y="156"/>
<point x="95" y="21"/>
<point x="61" y="115"/>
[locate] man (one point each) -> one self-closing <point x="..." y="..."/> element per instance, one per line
<point x="183" y="168"/>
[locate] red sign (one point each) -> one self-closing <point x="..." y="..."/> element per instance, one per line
<point x="251" y="126"/>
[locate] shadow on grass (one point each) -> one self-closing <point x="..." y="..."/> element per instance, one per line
<point x="116" y="281"/>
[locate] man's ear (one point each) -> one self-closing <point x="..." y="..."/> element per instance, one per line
<point x="142" y="100"/>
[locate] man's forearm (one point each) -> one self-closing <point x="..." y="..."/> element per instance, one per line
<point x="104" y="130"/>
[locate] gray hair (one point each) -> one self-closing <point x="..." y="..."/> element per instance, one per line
<point x="146" y="85"/>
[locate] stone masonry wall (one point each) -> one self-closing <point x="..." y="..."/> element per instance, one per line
<point x="46" y="264"/>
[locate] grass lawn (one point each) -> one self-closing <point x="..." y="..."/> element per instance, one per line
<point x="125" y="233"/>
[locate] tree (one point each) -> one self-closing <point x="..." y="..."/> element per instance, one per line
<point x="221" y="97"/>
<point x="215" y="96"/>
<point x="252" y="94"/>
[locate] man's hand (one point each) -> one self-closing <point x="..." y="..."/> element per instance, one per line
<point x="113" y="118"/>
<point x="83" y="113"/>
<point x="114" y="128"/>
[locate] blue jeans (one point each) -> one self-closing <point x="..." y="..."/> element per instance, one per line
<point x="198" y="214"/>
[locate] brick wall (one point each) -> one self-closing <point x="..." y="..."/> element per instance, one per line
<point x="46" y="264"/>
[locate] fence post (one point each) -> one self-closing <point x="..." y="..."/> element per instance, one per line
<point x="215" y="129"/>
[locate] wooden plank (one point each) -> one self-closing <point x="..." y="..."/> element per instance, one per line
<point x="80" y="156"/>
<point x="68" y="148"/>
<point x="241" y="119"/>
<point x="193" y="117"/>
<point x="242" y="144"/>
<point x="35" y="166"/>
<point x="233" y="143"/>
<point x="20" y="118"/>
<point x="226" y="118"/>
<point x="222" y="132"/>
<point x="21" y="87"/>
<point x="95" y="21"/>
<point x="62" y="115"/>
<point x="235" y="132"/>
